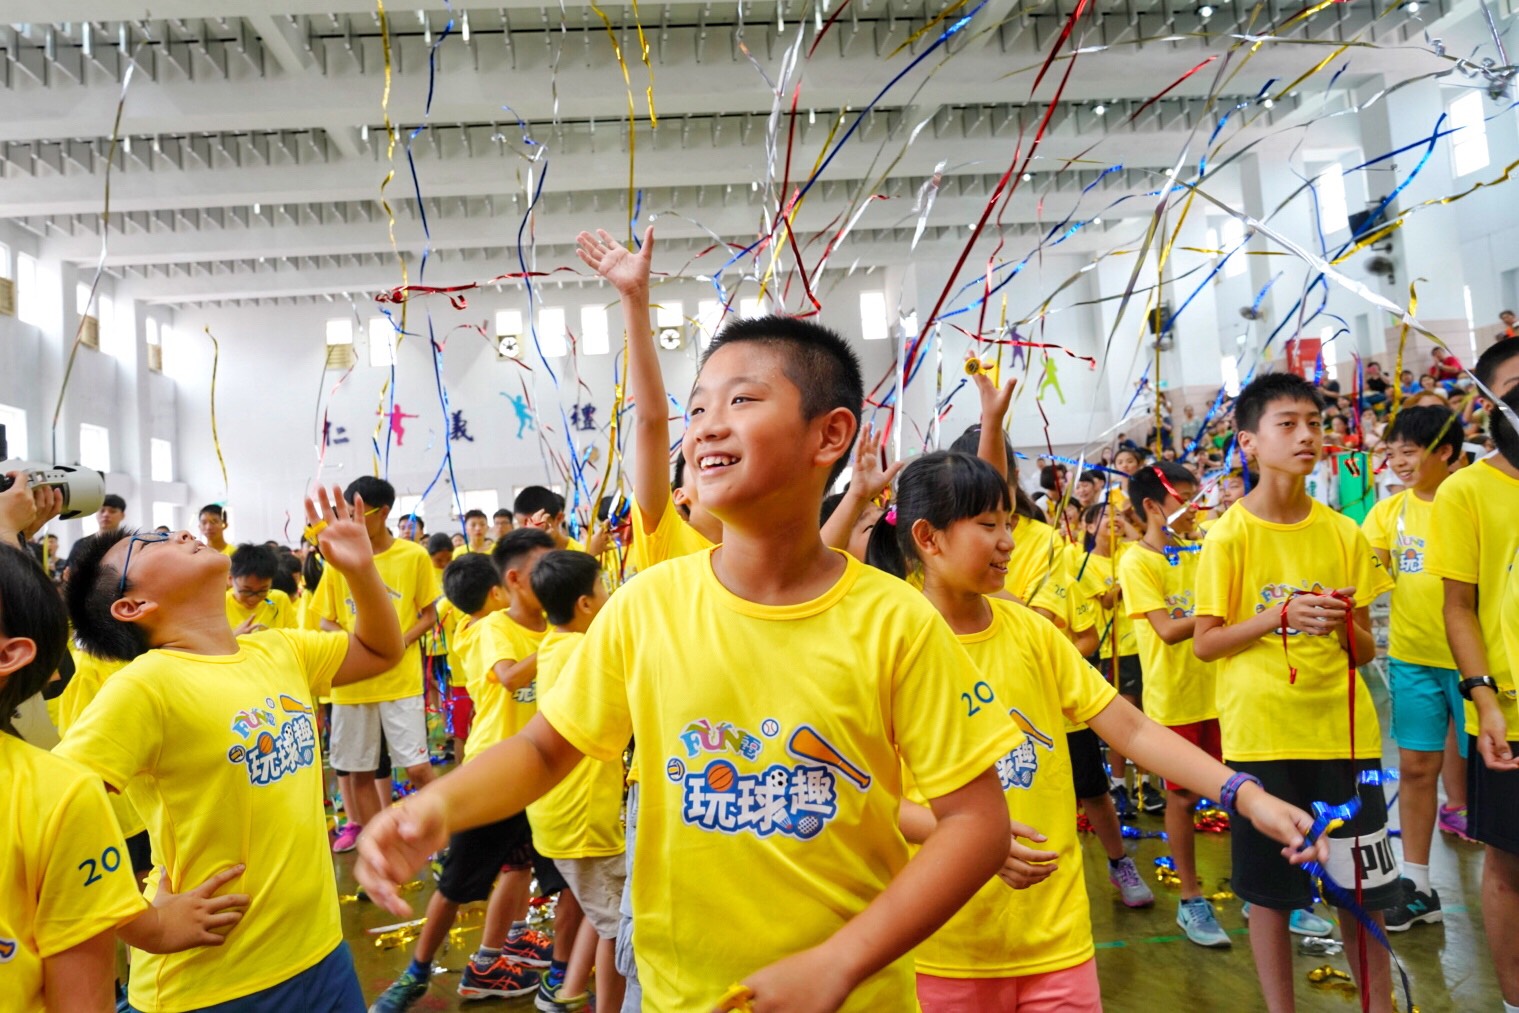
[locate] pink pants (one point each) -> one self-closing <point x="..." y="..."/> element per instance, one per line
<point x="1072" y="990"/>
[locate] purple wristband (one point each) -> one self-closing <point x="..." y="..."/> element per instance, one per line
<point x="1227" y="794"/>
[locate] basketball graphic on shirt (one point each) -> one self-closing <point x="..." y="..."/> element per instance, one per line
<point x="721" y="775"/>
<point x="265" y="743"/>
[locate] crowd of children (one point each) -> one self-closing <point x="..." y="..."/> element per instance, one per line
<point x="771" y="750"/>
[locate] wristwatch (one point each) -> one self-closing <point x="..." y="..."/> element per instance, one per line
<point x="1467" y="685"/>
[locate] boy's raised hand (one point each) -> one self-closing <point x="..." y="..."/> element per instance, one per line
<point x="871" y="475"/>
<point x="396" y="844"/>
<point x="198" y="917"/>
<point x="627" y="271"/>
<point x="341" y="534"/>
<point x="994" y="400"/>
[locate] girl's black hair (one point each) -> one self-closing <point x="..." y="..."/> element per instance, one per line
<point x="969" y="442"/>
<point x="1092" y="515"/>
<point x="30" y="607"/>
<point x="312" y="567"/>
<point x="940" y="488"/>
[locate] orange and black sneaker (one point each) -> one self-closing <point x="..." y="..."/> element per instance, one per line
<point x="503" y="978"/>
<point x="532" y="948"/>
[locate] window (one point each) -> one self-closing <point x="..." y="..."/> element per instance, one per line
<point x="340" y="332"/>
<point x="95" y="447"/>
<point x="551" y="332"/>
<point x="406" y="506"/>
<point x="669" y="314"/>
<point x="82" y="299"/>
<point x="1229" y="368"/>
<point x="508" y="322"/>
<point x="595" y="338"/>
<point x="5" y="261"/>
<point x="748" y="308"/>
<point x="1468" y="145"/>
<point x="151" y="332"/>
<point x="1334" y="215"/>
<point x="382" y="342"/>
<point x="709" y="318"/>
<point x="14" y="421"/>
<point x="480" y="499"/>
<point x="162" y="454"/>
<point x="874" y="324"/>
<point x="111" y="336"/>
<point x="164" y="515"/>
<point x="1232" y="235"/>
<point x="88" y="525"/>
<point x="28" y="298"/>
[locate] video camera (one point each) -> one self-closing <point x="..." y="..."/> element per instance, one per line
<point x="83" y="488"/>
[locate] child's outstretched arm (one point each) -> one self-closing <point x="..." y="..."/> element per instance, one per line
<point x="1162" y="751"/>
<point x="968" y="845"/>
<point x="375" y="644"/>
<point x="183" y="921"/>
<point x="992" y="447"/>
<point x="628" y="272"/>
<point x="494" y="785"/>
<point x="869" y="477"/>
<point x="1171" y="631"/>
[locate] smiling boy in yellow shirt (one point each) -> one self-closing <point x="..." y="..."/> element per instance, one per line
<point x="212" y="737"/>
<point x="763" y="787"/>
<point x="253" y="603"/>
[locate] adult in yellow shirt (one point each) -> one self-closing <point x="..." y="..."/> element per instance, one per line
<point x="214" y="742"/>
<point x="213" y="528"/>
<point x="253" y="602"/>
<point x="1422" y="444"/>
<point x="394" y="701"/>
<point x="579" y="823"/>
<point x="1477" y="518"/>
<point x="475" y="525"/>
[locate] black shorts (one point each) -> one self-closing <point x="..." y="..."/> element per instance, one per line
<point x="476" y="856"/>
<point x="1131" y="675"/>
<point x="1262" y="876"/>
<point x="140" y="851"/>
<point x="1492" y="801"/>
<point x="1088" y="774"/>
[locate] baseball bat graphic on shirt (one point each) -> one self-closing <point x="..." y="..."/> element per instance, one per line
<point x="807" y="744"/>
<point x="1029" y="729"/>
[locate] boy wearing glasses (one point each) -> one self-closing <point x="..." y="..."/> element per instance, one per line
<point x="394" y="700"/>
<point x="213" y="740"/>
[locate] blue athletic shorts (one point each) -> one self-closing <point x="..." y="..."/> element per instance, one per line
<point x="1424" y="702"/>
<point x="328" y="986"/>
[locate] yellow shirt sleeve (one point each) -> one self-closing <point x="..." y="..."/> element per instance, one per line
<point x="1084" y="693"/>
<point x="1457" y="553"/>
<point x="1379" y="523"/>
<point x="589" y="703"/>
<point x="320" y="655"/>
<point x="117" y="735"/>
<point x="672" y="537"/>
<point x="1143" y="592"/>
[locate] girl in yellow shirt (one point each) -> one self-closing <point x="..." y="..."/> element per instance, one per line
<point x="1025" y="939"/>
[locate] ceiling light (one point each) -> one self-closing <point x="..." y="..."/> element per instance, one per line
<point x="1099" y="109"/>
<point x="466" y="26"/>
<point x="364" y="132"/>
<point x="256" y="207"/>
<point x="1027" y="176"/>
<point x="1268" y="103"/>
<point x="1205" y="11"/>
<point x="1412" y="6"/>
<point x="1096" y="221"/>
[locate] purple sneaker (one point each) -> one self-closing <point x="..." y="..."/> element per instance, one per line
<point x="1453" y="821"/>
<point x="347" y="838"/>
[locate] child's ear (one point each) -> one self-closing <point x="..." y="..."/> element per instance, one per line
<point x="924" y="538"/>
<point x="15" y="653"/>
<point x="129" y="610"/>
<point x="583" y="605"/>
<point x="837" y="431"/>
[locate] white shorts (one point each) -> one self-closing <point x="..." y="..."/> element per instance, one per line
<point x="597" y="885"/>
<point x="355" y="740"/>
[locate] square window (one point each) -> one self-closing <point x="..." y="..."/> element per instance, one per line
<point x="382" y="342"/>
<point x="162" y="453"/>
<point x="595" y="338"/>
<point x="95" y="447"/>
<point x="340" y="332"/>
<point x="874" y="324"/>
<point x="164" y="514"/>
<point x="551" y="332"/>
<point x="28" y="294"/>
<point x="14" y="421"/>
<point x="1468" y="145"/>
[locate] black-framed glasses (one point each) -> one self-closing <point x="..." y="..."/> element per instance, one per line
<point x="151" y="536"/>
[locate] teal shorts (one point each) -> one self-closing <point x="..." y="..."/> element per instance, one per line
<point x="1424" y="702"/>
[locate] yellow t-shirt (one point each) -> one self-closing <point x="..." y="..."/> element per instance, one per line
<point x="220" y="755"/>
<point x="90" y="673"/>
<point x="1400" y="526"/>
<point x="1478" y="524"/>
<point x="1092" y="576"/>
<point x="1180" y="688"/>
<point x="1509" y="611"/>
<point x="671" y="538"/>
<point x="1038" y="677"/>
<point x="771" y="741"/>
<point x="64" y="872"/>
<point x="582" y="816"/>
<point x="1037" y="571"/>
<point x="1249" y="565"/>
<point x="308" y="617"/>
<point x="499" y="713"/>
<point x="412" y="581"/>
<point x="276" y="611"/>
<point x="464" y="550"/>
<point x="227" y="550"/>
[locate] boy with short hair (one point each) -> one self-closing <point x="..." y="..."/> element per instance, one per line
<point x="537" y="507"/>
<point x="497" y="649"/>
<point x="579" y="823"/>
<point x="212" y="738"/>
<point x="1422" y="445"/>
<point x="394" y="701"/>
<point x="765" y="786"/>
<point x="474" y="534"/>
<point x="213" y="527"/>
<point x="253" y="603"/>
<point x="501" y="524"/>
<point x="1477" y="516"/>
<point x="1279" y="588"/>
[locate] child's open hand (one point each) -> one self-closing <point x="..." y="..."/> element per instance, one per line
<point x="395" y="845"/>
<point x="1026" y="866"/>
<point x="540" y="520"/>
<point x="199" y="917"/>
<point x="871" y="475"/>
<point x="994" y="400"/>
<point x="1284" y="823"/>
<point x="342" y="537"/>
<point x="627" y="271"/>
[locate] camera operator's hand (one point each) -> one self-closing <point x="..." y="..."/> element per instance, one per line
<point x="23" y="510"/>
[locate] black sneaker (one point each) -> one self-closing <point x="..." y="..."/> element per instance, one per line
<point x="1415" y="906"/>
<point x="1122" y="802"/>
<point x="1152" y="800"/>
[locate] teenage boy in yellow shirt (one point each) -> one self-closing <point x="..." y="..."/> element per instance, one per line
<point x="212" y="738"/>
<point x="761" y="787"/>
<point x="1476" y="516"/>
<point x="213" y="527"/>
<point x="1422" y="445"/>
<point x="1279" y="588"/>
<point x="394" y="701"/>
<point x="474" y="534"/>
<point x="253" y="603"/>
